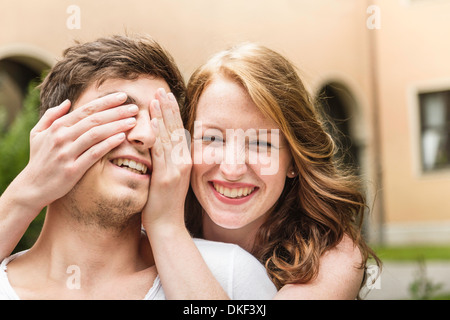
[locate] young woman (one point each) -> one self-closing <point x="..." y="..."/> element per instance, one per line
<point x="303" y="221"/>
<point x="279" y="193"/>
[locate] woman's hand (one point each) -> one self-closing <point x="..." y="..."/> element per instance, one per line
<point x="181" y="268"/>
<point x="171" y="161"/>
<point x="64" y="146"/>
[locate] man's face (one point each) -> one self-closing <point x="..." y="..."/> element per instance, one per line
<point x="117" y="185"/>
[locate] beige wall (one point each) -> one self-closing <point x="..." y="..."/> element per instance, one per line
<point x="413" y="53"/>
<point x="327" y="39"/>
<point x="306" y="31"/>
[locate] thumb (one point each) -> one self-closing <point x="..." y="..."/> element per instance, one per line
<point x="51" y="115"/>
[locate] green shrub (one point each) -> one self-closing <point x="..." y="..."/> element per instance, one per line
<point x="422" y="288"/>
<point x="15" y="152"/>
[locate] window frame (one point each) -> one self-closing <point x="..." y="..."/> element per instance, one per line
<point x="414" y="94"/>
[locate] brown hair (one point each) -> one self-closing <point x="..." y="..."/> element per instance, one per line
<point x="318" y="207"/>
<point x="123" y="57"/>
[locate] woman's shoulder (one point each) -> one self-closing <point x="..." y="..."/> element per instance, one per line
<point x="219" y="249"/>
<point x="214" y="244"/>
<point x="343" y="266"/>
<point x="340" y="275"/>
<point x="222" y="253"/>
<point x="346" y="251"/>
<point x="238" y="271"/>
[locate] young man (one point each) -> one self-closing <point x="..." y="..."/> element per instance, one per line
<point x="93" y="168"/>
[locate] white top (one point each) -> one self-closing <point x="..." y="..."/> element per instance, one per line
<point x="238" y="272"/>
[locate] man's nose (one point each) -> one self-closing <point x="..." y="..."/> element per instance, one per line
<point x="141" y="135"/>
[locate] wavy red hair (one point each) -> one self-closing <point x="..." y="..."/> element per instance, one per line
<point x="318" y="207"/>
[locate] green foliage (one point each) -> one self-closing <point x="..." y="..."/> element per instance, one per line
<point x="14" y="143"/>
<point x="422" y="288"/>
<point x="3" y="118"/>
<point x="414" y="252"/>
<point x="15" y="152"/>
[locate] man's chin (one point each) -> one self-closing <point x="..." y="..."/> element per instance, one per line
<point x="113" y="213"/>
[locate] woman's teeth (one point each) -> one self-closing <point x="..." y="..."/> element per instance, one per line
<point x="131" y="165"/>
<point x="233" y="192"/>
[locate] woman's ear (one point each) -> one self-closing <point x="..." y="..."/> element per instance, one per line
<point x="292" y="172"/>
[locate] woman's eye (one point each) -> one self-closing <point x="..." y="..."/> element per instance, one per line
<point x="212" y="139"/>
<point x="260" y="144"/>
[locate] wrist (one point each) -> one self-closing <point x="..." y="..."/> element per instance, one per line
<point x="23" y="198"/>
<point x="156" y="219"/>
<point x="167" y="231"/>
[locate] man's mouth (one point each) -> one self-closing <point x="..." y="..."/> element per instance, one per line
<point x="130" y="165"/>
<point x="233" y="193"/>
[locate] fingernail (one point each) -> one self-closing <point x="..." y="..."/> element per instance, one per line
<point x="133" y="108"/>
<point x="120" y="136"/>
<point x="121" y="96"/>
<point x="162" y="92"/>
<point x="64" y="103"/>
<point x="171" y="96"/>
<point x="131" y="121"/>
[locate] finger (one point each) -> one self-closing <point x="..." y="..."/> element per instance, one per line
<point x="180" y="132"/>
<point x="98" y="151"/>
<point x="157" y="152"/>
<point x="170" y="112"/>
<point x="98" y="134"/>
<point x="101" y="118"/>
<point x="175" y="110"/>
<point x="163" y="135"/>
<point x="166" y="110"/>
<point x="97" y="105"/>
<point x="50" y="116"/>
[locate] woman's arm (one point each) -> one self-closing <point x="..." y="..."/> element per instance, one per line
<point x="17" y="210"/>
<point x="339" y="277"/>
<point x="62" y="148"/>
<point x="183" y="272"/>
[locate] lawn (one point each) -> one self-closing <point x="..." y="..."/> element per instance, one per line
<point x="413" y="253"/>
<point x="419" y="254"/>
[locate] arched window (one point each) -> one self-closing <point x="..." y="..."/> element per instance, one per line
<point x="337" y="102"/>
<point x="16" y="73"/>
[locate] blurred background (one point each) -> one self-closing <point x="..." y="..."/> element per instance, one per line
<point x="380" y="68"/>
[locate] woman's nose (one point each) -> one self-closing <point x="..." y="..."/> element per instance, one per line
<point x="233" y="165"/>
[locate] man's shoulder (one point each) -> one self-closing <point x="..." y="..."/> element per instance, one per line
<point x="6" y="291"/>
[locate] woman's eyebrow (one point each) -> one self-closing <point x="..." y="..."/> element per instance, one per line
<point x="218" y="127"/>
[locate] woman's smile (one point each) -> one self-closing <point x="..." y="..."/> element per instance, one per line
<point x="233" y="193"/>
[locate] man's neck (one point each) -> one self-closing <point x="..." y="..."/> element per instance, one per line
<point x="99" y="256"/>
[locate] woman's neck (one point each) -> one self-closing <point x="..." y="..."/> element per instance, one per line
<point x="243" y="237"/>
